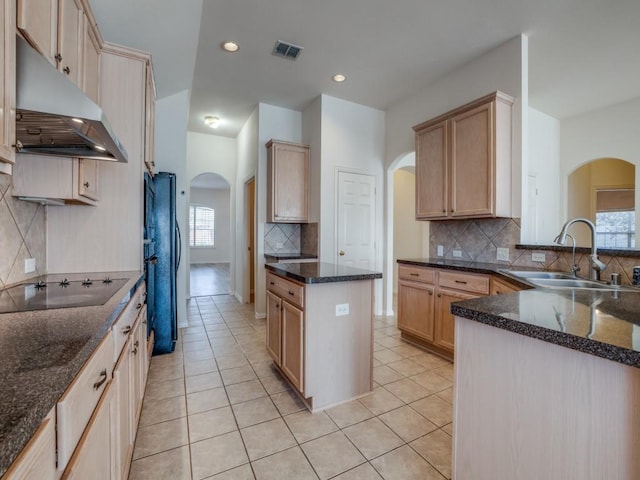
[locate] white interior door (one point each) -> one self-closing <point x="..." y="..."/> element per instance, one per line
<point x="356" y="220"/>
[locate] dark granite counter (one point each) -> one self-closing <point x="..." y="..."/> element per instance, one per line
<point x="41" y="353"/>
<point x="278" y="257"/>
<point x="617" y="252"/>
<point x="599" y="322"/>
<point x="319" y="272"/>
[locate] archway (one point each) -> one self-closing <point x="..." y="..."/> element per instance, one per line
<point x="209" y="235"/>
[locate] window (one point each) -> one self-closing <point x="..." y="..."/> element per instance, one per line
<point x="202" y="229"/>
<point x="615" y="218"/>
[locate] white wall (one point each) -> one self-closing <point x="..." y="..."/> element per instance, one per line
<point x="544" y="164"/>
<point x="610" y="132"/>
<point x="172" y="114"/>
<point x="247" y="162"/>
<point x="352" y="139"/>
<point x="219" y="199"/>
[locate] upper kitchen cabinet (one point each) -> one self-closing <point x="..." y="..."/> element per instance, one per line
<point x="463" y="161"/>
<point x="7" y="85"/>
<point x="64" y="32"/>
<point x="288" y="178"/>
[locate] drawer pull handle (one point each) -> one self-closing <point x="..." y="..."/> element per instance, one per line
<point x="272" y="283"/>
<point x="99" y="383"/>
<point x="290" y="293"/>
<point x="136" y="343"/>
<point x="414" y="274"/>
<point x="126" y="330"/>
<point x="135" y="351"/>
<point x="461" y="281"/>
<point x="138" y="306"/>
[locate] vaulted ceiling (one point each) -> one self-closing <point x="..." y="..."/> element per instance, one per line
<point x="582" y="53"/>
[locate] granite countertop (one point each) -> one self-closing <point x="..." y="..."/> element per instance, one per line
<point x="604" y="323"/>
<point x="42" y="352"/>
<point x="320" y="272"/>
<point x="288" y="256"/>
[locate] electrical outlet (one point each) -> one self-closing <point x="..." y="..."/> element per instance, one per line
<point x="342" y="309"/>
<point x="538" y="257"/>
<point x="457" y="253"/>
<point x="440" y="251"/>
<point x="29" y="265"/>
<point x="502" y="254"/>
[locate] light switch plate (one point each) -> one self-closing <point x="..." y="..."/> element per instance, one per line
<point x="29" y="265"/>
<point x="457" y="253"/>
<point x="440" y="250"/>
<point x="342" y="309"/>
<point x="538" y="257"/>
<point x="502" y="254"/>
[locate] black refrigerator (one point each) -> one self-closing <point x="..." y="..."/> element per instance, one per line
<point x="162" y="259"/>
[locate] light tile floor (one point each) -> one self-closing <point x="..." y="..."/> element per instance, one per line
<point x="217" y="408"/>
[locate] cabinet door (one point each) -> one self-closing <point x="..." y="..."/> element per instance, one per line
<point x="445" y="321"/>
<point x="38" y="22"/>
<point x="123" y="420"/>
<point x="288" y="167"/>
<point x="432" y="177"/>
<point x="274" y="337"/>
<point x="473" y="162"/>
<point x="70" y="35"/>
<point x="415" y="309"/>
<point x="150" y="104"/>
<point x="88" y="178"/>
<point x="94" y="456"/>
<point x="137" y="372"/>
<point x="293" y="344"/>
<point x="498" y="287"/>
<point x="90" y="63"/>
<point x="7" y="84"/>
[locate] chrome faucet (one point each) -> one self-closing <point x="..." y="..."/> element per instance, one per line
<point x="596" y="265"/>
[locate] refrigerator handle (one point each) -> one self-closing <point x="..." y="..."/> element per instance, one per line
<point x="178" y="246"/>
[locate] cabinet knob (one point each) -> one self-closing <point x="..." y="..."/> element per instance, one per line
<point x="138" y="306"/>
<point x="103" y="378"/>
<point x="126" y="330"/>
<point x="58" y="57"/>
<point x="290" y="293"/>
<point x="430" y="293"/>
<point x="341" y="253"/>
<point x="86" y="184"/>
<point x="439" y="295"/>
<point x="66" y="70"/>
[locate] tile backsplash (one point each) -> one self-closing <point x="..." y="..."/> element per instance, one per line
<point x="22" y="236"/>
<point x="293" y="238"/>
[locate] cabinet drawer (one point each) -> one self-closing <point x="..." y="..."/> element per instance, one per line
<point x="75" y="407"/>
<point x="416" y="274"/>
<point x="464" y="281"/>
<point x="124" y="324"/>
<point x="289" y="291"/>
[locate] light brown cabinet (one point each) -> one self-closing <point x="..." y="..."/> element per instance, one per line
<point x="285" y="327"/>
<point x="70" y="40"/>
<point x="288" y="179"/>
<point x="91" y="62"/>
<point x="463" y="161"/>
<point x="37" y="20"/>
<point x="70" y="180"/>
<point x="424" y="304"/>
<point x="7" y="85"/>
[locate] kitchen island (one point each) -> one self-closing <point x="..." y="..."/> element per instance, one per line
<point x="547" y="385"/>
<point x="320" y="329"/>
<point x="42" y="352"/>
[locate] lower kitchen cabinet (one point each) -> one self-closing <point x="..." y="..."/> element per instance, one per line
<point x="293" y="344"/>
<point x="274" y="338"/>
<point x="424" y="304"/>
<point x="123" y="420"/>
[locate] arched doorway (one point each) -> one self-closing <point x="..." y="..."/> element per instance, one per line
<point x="209" y="235"/>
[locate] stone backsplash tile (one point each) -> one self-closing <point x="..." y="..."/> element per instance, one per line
<point x="22" y="236"/>
<point x="282" y="238"/>
<point x="309" y="238"/>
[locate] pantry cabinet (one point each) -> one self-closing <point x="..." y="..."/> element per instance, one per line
<point x="7" y="85"/>
<point x="288" y="180"/>
<point x="463" y="161"/>
<point x="424" y="304"/>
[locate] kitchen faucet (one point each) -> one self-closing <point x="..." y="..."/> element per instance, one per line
<point x="596" y="265"/>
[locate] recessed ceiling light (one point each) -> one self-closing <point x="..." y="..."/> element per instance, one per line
<point x="211" y="121"/>
<point x="231" y="47"/>
<point x="339" y="78"/>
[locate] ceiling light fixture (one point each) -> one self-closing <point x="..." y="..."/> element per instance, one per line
<point x="230" y="47"/>
<point x="339" y="78"/>
<point x="210" y="121"/>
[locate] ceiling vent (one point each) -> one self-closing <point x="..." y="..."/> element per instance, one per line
<point x="287" y="50"/>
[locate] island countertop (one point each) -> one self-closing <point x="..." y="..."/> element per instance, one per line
<point x="42" y="351"/>
<point x="320" y="272"/>
<point x="604" y="323"/>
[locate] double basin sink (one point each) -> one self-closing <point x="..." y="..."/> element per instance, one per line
<point x="564" y="280"/>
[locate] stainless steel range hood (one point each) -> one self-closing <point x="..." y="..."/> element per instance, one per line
<point x="54" y="117"/>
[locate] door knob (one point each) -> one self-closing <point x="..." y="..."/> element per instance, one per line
<point x="341" y="253"/>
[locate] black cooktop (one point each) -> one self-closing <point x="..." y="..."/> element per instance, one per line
<point x="61" y="294"/>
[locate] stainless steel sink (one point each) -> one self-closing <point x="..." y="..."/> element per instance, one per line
<point x="565" y="280"/>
